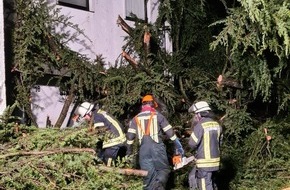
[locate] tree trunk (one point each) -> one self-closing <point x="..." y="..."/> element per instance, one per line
<point x="65" y="107"/>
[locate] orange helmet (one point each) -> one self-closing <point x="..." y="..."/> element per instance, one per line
<point x="149" y="98"/>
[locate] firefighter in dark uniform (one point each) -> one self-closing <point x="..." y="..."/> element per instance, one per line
<point x="149" y="126"/>
<point x="114" y="146"/>
<point x="205" y="139"/>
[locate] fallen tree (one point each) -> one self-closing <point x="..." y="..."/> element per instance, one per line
<point x="56" y="159"/>
<point x="47" y="152"/>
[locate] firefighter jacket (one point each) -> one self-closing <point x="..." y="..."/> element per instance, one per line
<point x="205" y="139"/>
<point x="116" y="134"/>
<point x="151" y="123"/>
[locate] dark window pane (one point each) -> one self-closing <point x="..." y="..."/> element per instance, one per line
<point x="78" y="4"/>
<point x="135" y="7"/>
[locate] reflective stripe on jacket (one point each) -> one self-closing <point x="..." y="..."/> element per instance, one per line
<point x="158" y="126"/>
<point x="117" y="135"/>
<point x="205" y="139"/>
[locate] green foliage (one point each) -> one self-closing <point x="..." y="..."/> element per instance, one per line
<point x="191" y="62"/>
<point x="40" y="37"/>
<point x="59" y="170"/>
<point x="251" y="48"/>
<point x="8" y="123"/>
<point x="256" y="35"/>
<point x="6" y="117"/>
<point x="237" y="123"/>
<point x="260" y="164"/>
<point x="125" y="89"/>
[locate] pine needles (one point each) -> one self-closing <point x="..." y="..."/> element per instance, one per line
<point x="57" y="159"/>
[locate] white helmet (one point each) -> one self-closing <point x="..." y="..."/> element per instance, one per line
<point x="199" y="107"/>
<point x="84" y="109"/>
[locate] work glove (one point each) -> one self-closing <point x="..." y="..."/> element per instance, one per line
<point x="79" y="122"/>
<point x="178" y="147"/>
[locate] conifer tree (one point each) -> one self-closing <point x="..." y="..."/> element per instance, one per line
<point x="256" y="36"/>
<point x="250" y="40"/>
<point x="41" y="52"/>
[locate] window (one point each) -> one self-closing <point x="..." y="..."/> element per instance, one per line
<point x="135" y="8"/>
<point x="78" y="4"/>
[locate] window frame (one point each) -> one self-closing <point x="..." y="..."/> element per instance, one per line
<point x="145" y="19"/>
<point x="71" y="5"/>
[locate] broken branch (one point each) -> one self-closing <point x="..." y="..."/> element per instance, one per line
<point x="124" y="171"/>
<point x="221" y="82"/>
<point x="129" y="59"/>
<point x="124" y="25"/>
<point x="134" y="63"/>
<point x="48" y="152"/>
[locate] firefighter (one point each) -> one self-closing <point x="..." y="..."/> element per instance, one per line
<point x="108" y="150"/>
<point x="205" y="139"/>
<point x="149" y="126"/>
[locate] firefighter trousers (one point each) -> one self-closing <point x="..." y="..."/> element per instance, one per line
<point x="110" y="155"/>
<point x="153" y="158"/>
<point x="200" y="179"/>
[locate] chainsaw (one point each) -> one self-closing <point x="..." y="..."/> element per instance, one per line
<point x="179" y="161"/>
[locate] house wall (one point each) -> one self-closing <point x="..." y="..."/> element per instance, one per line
<point x="104" y="37"/>
<point x="2" y="62"/>
<point x="100" y="26"/>
<point x="47" y="104"/>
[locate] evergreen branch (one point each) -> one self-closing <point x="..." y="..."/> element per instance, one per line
<point x="48" y="152"/>
<point x="51" y="181"/>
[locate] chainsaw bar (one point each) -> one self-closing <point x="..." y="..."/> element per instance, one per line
<point x="184" y="162"/>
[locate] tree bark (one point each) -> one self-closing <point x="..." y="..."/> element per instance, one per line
<point x="48" y="152"/>
<point x="221" y="82"/>
<point x="130" y="59"/>
<point x="124" y="25"/>
<point x="124" y="171"/>
<point x="65" y="107"/>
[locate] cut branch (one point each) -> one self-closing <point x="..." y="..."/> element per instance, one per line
<point x="221" y="82"/>
<point x="130" y="59"/>
<point x="134" y="63"/>
<point x="288" y="188"/>
<point x="124" y="171"/>
<point x="124" y="25"/>
<point x="48" y="152"/>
